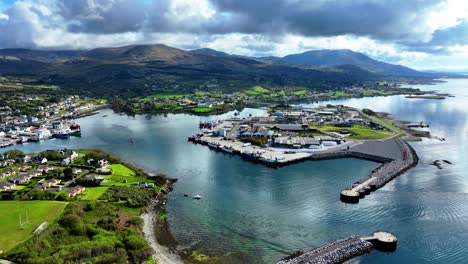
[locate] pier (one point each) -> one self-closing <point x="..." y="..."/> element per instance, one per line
<point x="344" y="249"/>
<point x="395" y="155"/>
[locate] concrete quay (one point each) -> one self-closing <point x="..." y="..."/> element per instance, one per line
<point x="344" y="249"/>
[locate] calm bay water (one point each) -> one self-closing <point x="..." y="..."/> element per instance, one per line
<point x="251" y="213"/>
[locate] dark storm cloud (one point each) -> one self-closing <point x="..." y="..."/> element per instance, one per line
<point x="102" y="16"/>
<point x="387" y="20"/>
<point x="396" y="21"/>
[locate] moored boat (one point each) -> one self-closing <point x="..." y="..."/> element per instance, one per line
<point x="213" y="146"/>
<point x="249" y="156"/>
<point x="227" y="149"/>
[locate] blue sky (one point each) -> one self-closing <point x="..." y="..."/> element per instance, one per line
<point x="420" y="34"/>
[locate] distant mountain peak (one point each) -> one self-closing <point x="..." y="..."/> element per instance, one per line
<point x="330" y="58"/>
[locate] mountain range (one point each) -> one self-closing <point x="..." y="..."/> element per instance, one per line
<point x="137" y="69"/>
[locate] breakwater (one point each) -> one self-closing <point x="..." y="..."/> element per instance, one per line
<point x="344" y="249"/>
<point x="380" y="176"/>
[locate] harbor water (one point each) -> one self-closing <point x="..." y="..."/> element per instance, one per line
<point x="250" y="213"/>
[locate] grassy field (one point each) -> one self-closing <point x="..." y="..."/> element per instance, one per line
<point x="203" y="109"/>
<point x="38" y="212"/>
<point x="342" y="94"/>
<point x="93" y="193"/>
<point x="257" y="90"/>
<point x="121" y="176"/>
<point x="359" y="132"/>
<point x="300" y="92"/>
<point x="388" y="125"/>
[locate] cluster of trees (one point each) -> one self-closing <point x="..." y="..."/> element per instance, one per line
<point x="87" y="232"/>
<point x="133" y="197"/>
<point x="38" y="194"/>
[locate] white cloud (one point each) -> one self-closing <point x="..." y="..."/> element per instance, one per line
<point x="59" y="24"/>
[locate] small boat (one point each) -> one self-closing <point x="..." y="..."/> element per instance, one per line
<point x="132" y="140"/>
<point x="213" y="146"/>
<point x="192" y="138"/>
<point x="60" y="134"/>
<point x="185" y="195"/>
<point x="227" y="149"/>
<point x="249" y="156"/>
<point x="197" y="197"/>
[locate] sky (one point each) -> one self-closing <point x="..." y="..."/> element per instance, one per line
<point x="422" y="34"/>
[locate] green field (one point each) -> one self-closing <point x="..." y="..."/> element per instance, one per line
<point x="38" y="212"/>
<point x="300" y="92"/>
<point x="389" y="126"/>
<point x="257" y="90"/>
<point x="359" y="132"/>
<point x="203" y="109"/>
<point x="121" y="176"/>
<point x="342" y="94"/>
<point x="93" y="193"/>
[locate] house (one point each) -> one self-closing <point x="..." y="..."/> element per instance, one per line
<point x="21" y="178"/>
<point x="69" y="154"/>
<point x="6" y="173"/>
<point x="74" y="191"/>
<point x="104" y="171"/>
<point x="76" y="171"/>
<point x="24" y="158"/>
<point x="24" y="168"/>
<point x="46" y="169"/>
<point x="35" y="173"/>
<point x="43" y="160"/>
<point x="7" y="162"/>
<point x="7" y="186"/>
<point x="93" y="178"/>
<point x="102" y="163"/>
<point x="208" y="105"/>
<point x="65" y="162"/>
<point x="49" y="183"/>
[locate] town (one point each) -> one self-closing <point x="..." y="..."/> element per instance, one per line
<point x="32" y="118"/>
<point x="295" y="133"/>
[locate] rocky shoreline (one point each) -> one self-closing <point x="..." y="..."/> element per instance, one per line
<point x="155" y="226"/>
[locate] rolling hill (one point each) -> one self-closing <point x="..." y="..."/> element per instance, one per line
<point x="141" y="69"/>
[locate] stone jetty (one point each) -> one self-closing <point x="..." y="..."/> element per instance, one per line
<point x="344" y="249"/>
<point x="380" y="176"/>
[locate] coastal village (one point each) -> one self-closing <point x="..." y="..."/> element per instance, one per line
<point x="34" y="118"/>
<point x="296" y="134"/>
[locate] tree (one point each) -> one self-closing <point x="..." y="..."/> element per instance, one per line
<point x="11" y="154"/>
<point x="68" y="173"/>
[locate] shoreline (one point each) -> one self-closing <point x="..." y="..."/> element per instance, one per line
<point x="152" y="224"/>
